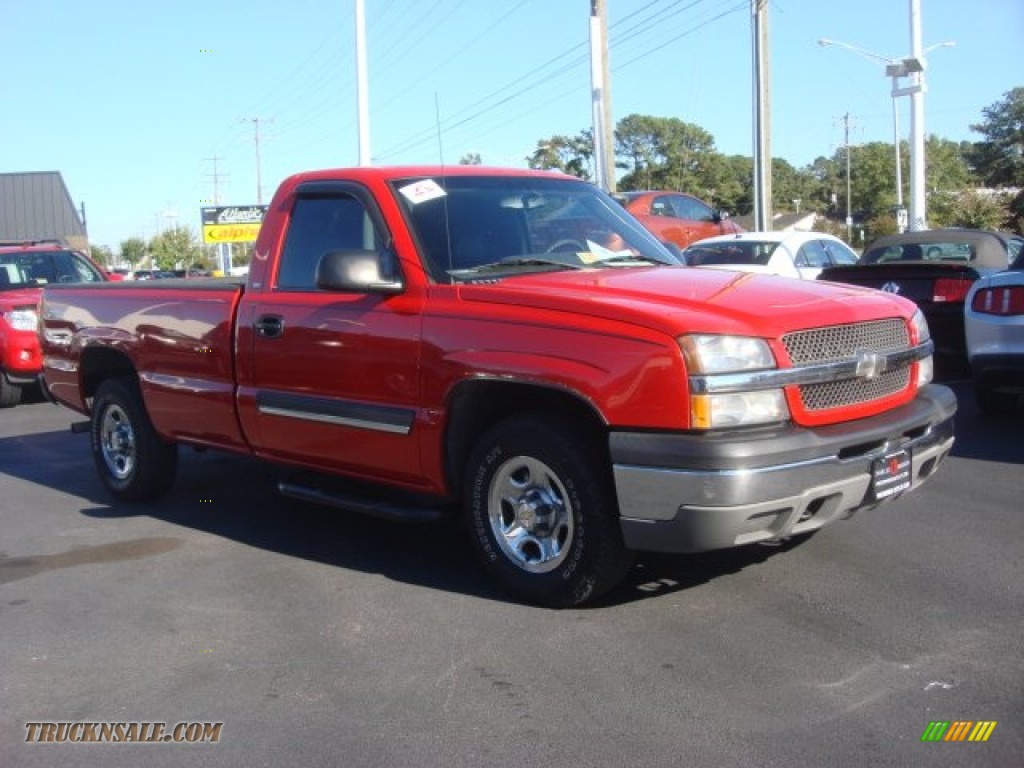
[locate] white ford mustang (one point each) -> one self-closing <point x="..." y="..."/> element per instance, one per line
<point x="994" y="324"/>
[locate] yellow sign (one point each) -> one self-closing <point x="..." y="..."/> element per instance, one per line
<point x="232" y="223"/>
<point x="230" y="233"/>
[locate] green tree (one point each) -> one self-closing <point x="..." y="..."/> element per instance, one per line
<point x="999" y="159"/>
<point x="471" y="158"/>
<point x="569" y="154"/>
<point x="971" y="208"/>
<point x="174" y="247"/>
<point x="133" y="251"/>
<point x="663" y="153"/>
<point x="102" y="255"/>
<point x="726" y="183"/>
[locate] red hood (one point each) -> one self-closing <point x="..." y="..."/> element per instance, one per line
<point x="675" y="300"/>
<point x="19" y="297"/>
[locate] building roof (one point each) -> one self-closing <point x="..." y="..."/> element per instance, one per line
<point x="37" y="206"/>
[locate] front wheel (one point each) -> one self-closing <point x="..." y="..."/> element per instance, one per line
<point x="132" y="460"/>
<point x="542" y="512"/>
<point x="10" y="394"/>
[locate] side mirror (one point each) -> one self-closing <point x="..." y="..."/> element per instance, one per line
<point x="356" y="271"/>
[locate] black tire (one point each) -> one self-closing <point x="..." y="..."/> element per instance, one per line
<point x="542" y="513"/>
<point x="133" y="462"/>
<point x="993" y="402"/>
<point x="10" y="394"/>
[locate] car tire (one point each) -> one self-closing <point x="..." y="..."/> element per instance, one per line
<point x="10" y="394"/>
<point x="133" y="461"/>
<point x="542" y="512"/>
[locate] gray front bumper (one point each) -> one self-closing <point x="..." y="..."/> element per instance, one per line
<point x="691" y="493"/>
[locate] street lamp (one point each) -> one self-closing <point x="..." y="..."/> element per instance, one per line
<point x="910" y="66"/>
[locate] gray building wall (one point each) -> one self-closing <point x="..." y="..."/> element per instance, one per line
<point x="37" y="206"/>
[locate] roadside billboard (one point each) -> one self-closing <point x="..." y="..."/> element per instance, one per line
<point x="232" y="223"/>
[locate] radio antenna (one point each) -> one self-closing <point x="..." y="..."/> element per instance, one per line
<point x="444" y="185"/>
<point x="437" y="120"/>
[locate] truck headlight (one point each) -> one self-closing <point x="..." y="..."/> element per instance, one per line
<point x="738" y="409"/>
<point x="705" y="353"/>
<point x="22" y="319"/>
<point x="920" y="325"/>
<point x="926" y="366"/>
<point x="709" y="356"/>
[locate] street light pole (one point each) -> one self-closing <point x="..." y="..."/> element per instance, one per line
<point x="912" y="67"/>
<point x="918" y="208"/>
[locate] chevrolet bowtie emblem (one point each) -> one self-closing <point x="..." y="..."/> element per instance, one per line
<point x="870" y="365"/>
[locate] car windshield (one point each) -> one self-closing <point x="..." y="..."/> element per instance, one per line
<point x="468" y="227"/>
<point x="962" y="252"/>
<point x="31" y="269"/>
<point x="732" y="252"/>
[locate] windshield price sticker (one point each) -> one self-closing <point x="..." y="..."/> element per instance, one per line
<point x="422" y="191"/>
<point x="890" y="475"/>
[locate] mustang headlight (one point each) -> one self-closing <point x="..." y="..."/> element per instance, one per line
<point x="721" y="362"/>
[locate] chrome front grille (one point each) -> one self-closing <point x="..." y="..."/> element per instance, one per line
<point x="842" y="342"/>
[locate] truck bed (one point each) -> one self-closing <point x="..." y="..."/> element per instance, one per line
<point x="181" y="332"/>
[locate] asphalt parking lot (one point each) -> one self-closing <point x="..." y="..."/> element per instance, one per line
<point x="319" y="638"/>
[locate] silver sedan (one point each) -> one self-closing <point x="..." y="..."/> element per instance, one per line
<point x="994" y="324"/>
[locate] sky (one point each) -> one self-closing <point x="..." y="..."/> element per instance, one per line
<point x="152" y="110"/>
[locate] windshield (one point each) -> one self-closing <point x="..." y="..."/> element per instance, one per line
<point x="469" y="226"/>
<point x="732" y="252"/>
<point x="33" y="269"/>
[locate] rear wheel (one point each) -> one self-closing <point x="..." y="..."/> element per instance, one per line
<point x="542" y="512"/>
<point x="10" y="394"/>
<point x="132" y="460"/>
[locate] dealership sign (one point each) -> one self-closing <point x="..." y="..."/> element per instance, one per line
<point x="232" y="223"/>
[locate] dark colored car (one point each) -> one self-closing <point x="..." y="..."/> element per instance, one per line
<point x="678" y="218"/>
<point x="935" y="268"/>
<point x="24" y="269"/>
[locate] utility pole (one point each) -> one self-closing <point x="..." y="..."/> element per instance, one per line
<point x="223" y="249"/>
<point x="918" y="210"/>
<point x="216" y="179"/>
<point x="762" y="118"/>
<point x="849" y="211"/>
<point x="259" y="180"/>
<point x="362" y="86"/>
<point x="604" y="163"/>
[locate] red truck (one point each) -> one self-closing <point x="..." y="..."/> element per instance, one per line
<point x="514" y="348"/>
<point x="25" y="267"/>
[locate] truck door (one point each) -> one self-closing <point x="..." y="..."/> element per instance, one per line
<point x="332" y="378"/>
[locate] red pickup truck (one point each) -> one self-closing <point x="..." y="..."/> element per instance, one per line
<point x="25" y="267"/>
<point x="514" y="348"/>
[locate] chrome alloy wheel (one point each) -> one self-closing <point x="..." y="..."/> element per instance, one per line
<point x="530" y="515"/>
<point x="117" y="442"/>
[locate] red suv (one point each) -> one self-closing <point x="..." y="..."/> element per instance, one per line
<point x="674" y="217"/>
<point x="24" y="269"/>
